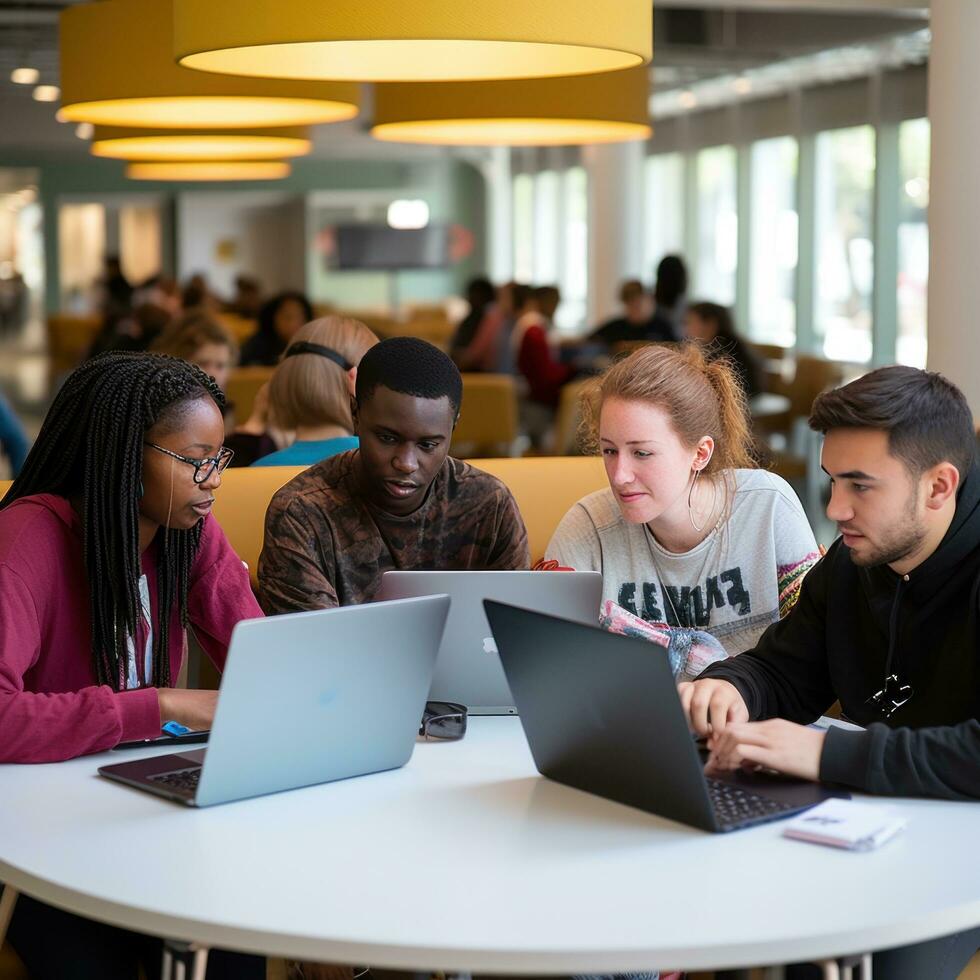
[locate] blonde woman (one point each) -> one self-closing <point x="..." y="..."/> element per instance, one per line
<point x="688" y="533"/>
<point x="311" y="389"/>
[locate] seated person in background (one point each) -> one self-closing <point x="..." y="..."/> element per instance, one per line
<point x="489" y="349"/>
<point x="481" y="297"/>
<point x="535" y="359"/>
<point x="311" y="390"/>
<point x="670" y="292"/>
<point x="107" y="554"/>
<point x="279" y="319"/>
<point x="887" y="624"/>
<point x="247" y="301"/>
<point x="13" y="439"/>
<point x="399" y="501"/>
<point x="199" y="339"/>
<point x="638" y="321"/>
<point x="688" y="532"/>
<point x="713" y="327"/>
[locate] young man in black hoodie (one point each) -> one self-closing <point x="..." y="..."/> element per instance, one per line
<point x="888" y="623"/>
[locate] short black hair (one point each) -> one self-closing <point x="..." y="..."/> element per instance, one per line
<point x="409" y="366"/>
<point x="926" y="416"/>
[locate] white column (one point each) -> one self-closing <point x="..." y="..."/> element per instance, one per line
<point x="500" y="214"/>
<point x="954" y="198"/>
<point x="615" y="222"/>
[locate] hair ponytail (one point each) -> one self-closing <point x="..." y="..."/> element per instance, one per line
<point x="701" y="398"/>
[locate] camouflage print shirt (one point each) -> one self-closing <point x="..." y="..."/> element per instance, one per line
<point x="326" y="545"/>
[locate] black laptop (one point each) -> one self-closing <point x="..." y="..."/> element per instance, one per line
<point x="601" y="713"/>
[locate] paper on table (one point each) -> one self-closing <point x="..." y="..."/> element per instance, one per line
<point x="847" y="824"/>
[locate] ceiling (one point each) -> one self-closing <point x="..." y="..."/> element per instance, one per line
<point x="694" y="40"/>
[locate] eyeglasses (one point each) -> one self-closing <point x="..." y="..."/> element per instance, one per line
<point x="203" y="468"/>
<point x="443" y="719"/>
<point x="894" y="695"/>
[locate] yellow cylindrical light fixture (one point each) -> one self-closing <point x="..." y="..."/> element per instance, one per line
<point x="122" y="143"/>
<point x="426" y="40"/>
<point x="118" y="69"/>
<point x="607" y="108"/>
<point x="208" y="170"/>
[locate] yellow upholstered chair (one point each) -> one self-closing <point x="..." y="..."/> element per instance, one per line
<point x="243" y="386"/>
<point x="488" y="416"/>
<point x="69" y="340"/>
<point x="240" y="505"/>
<point x="545" y="487"/>
<point x="568" y="418"/>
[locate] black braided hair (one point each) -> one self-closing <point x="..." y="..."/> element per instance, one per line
<point x="90" y="448"/>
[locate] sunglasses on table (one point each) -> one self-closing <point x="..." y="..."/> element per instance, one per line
<point x="204" y="468"/>
<point x="443" y="719"/>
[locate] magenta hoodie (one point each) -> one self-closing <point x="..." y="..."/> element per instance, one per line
<point x="50" y="705"/>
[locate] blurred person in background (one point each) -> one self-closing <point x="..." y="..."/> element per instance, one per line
<point x="639" y="321"/>
<point x="247" y="301"/>
<point x="311" y="390"/>
<point x="670" y="292"/>
<point x="116" y="291"/>
<point x="713" y="327"/>
<point x="279" y="320"/>
<point x="13" y="439"/>
<point x="472" y="346"/>
<point x="198" y="338"/>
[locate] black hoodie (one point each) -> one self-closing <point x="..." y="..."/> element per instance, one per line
<point x="837" y="643"/>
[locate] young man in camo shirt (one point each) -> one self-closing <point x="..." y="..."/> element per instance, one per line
<point x="399" y="501"/>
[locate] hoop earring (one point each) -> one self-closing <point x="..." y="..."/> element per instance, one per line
<point x="139" y="496"/>
<point x="690" y="507"/>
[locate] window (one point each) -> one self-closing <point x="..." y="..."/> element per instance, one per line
<point x="575" y="267"/>
<point x="775" y="243"/>
<point x="663" y="231"/>
<point x="546" y="228"/>
<point x="913" y="242"/>
<point x="845" y="170"/>
<point x="717" y="250"/>
<point x="524" y="228"/>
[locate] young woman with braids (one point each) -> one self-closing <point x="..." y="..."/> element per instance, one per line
<point x="688" y="533"/>
<point x="107" y="555"/>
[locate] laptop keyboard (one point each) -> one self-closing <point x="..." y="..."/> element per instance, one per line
<point x="736" y="807"/>
<point x="183" y="780"/>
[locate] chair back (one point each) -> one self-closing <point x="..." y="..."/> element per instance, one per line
<point x="488" y="416"/>
<point x="243" y="386"/>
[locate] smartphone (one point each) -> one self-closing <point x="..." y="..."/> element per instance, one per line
<point x="189" y="738"/>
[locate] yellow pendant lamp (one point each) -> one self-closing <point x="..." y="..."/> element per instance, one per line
<point x="607" y="108"/>
<point x="424" y="40"/>
<point x="200" y="144"/>
<point x="208" y="170"/>
<point x="118" y="69"/>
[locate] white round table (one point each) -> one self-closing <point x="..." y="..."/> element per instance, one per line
<point x="466" y="860"/>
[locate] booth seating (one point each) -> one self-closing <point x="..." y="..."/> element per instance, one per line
<point x="545" y="487"/>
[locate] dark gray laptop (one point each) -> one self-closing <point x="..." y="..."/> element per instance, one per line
<point x="307" y="698"/>
<point x="601" y="713"/>
<point x="468" y="669"/>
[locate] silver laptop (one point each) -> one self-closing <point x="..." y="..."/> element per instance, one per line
<point x="307" y="698"/>
<point x="468" y="670"/>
